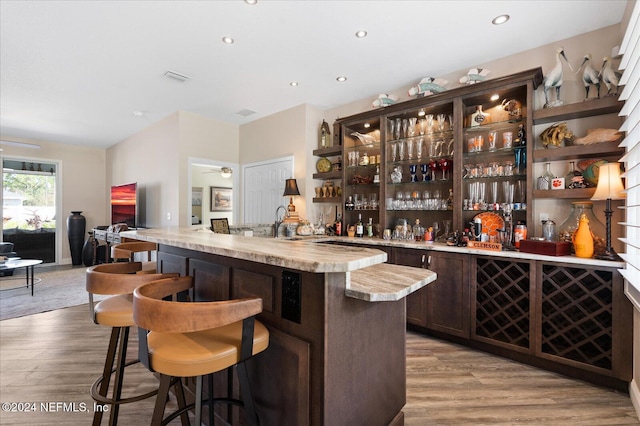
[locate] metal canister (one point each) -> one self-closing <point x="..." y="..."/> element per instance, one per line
<point x="549" y="232"/>
<point x="519" y="233"/>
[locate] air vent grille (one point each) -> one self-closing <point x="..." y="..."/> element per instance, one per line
<point x="244" y="113"/>
<point x="172" y="75"/>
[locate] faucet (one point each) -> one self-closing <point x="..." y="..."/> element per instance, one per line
<point x="278" y="222"/>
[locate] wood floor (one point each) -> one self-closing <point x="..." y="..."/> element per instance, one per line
<point x="55" y="356"/>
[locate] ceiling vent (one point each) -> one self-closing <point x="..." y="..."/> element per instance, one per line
<point x="176" y="76"/>
<point x="244" y="113"/>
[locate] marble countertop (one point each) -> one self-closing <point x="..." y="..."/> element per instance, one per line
<point x="300" y="255"/>
<point x="387" y="282"/>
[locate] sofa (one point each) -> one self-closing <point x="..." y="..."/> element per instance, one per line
<point x="33" y="244"/>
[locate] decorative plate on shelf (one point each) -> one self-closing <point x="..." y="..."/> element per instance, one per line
<point x="323" y="165"/>
<point x="491" y="222"/>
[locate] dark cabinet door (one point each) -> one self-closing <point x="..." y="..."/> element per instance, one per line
<point x="448" y="303"/>
<point x="168" y="262"/>
<point x="416" y="301"/>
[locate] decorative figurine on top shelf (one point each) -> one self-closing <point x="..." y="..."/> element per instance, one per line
<point x="598" y="135"/>
<point x="325" y="135"/>
<point x="514" y="108"/>
<point x="589" y="76"/>
<point x="474" y="75"/>
<point x="428" y="86"/>
<point x="609" y="76"/>
<point x="384" y="100"/>
<point x="553" y="79"/>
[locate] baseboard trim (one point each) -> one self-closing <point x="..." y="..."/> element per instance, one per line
<point x="634" y="393"/>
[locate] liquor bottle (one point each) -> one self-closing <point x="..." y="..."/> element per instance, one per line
<point x="376" y="177"/>
<point x="338" y="222"/>
<point x="418" y="231"/>
<point x="544" y="181"/>
<point x="349" y="204"/>
<point x="359" y="227"/>
<point x="370" y="228"/>
<point x="450" y="200"/>
<point x="574" y="178"/>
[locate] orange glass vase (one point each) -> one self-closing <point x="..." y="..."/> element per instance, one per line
<point x="583" y="238"/>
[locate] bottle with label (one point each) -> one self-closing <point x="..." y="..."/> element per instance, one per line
<point x="478" y="117"/>
<point x="364" y="160"/>
<point x="376" y="177"/>
<point x="519" y="233"/>
<point x="418" y="231"/>
<point x="359" y="227"/>
<point x="370" y="228"/>
<point x="450" y="200"/>
<point x="349" y="204"/>
<point x="338" y="222"/>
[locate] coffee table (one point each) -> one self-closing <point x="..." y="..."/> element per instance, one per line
<point x="28" y="264"/>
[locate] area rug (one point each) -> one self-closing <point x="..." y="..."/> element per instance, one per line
<point x="55" y="288"/>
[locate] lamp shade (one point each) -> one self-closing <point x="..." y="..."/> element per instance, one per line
<point x="291" y="187"/>
<point x="609" y="183"/>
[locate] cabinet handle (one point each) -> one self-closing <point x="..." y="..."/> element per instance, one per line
<point x="428" y="263"/>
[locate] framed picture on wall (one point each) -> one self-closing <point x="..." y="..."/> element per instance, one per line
<point x="221" y="199"/>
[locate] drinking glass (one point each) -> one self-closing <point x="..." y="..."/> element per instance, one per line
<point x="429" y="120"/>
<point x="441" y="122"/>
<point x="398" y="127"/>
<point x="419" y="144"/>
<point x="412" y="127"/>
<point x="394" y="151"/>
<point x="400" y="150"/>
<point x="424" y="168"/>
<point x="422" y="125"/>
<point x="413" y="168"/>
<point x="436" y="230"/>
<point x="405" y="126"/>
<point x="433" y="166"/>
<point x="410" y="143"/>
<point x="392" y="125"/>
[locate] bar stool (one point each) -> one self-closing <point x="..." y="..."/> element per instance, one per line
<point x="118" y="280"/>
<point x="129" y="249"/>
<point x="196" y="339"/>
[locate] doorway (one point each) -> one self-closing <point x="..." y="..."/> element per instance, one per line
<point x="208" y="179"/>
<point x="30" y="216"/>
<point x="263" y="189"/>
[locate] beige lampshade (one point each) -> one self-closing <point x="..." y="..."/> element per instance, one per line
<point x="609" y="183"/>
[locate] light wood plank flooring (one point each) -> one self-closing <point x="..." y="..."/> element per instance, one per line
<point x="55" y="356"/>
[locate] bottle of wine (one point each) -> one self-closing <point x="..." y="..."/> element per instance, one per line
<point x="338" y="222"/>
<point x="349" y="205"/>
<point x="359" y="227"/>
<point x="370" y="228"/>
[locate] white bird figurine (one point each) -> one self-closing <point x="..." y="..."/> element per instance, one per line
<point x="474" y="75"/>
<point x="609" y="76"/>
<point x="428" y="86"/>
<point x="589" y="75"/>
<point x="553" y="79"/>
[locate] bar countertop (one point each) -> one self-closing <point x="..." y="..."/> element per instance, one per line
<point x="300" y="255"/>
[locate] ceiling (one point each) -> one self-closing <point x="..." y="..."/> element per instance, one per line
<point x="75" y="71"/>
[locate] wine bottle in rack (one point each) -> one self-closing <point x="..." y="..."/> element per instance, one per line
<point x="359" y="227"/>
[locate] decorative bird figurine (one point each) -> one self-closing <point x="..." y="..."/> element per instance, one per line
<point x="609" y="76"/>
<point x="553" y="79"/>
<point x="589" y="75"/>
<point x="428" y="86"/>
<point x="474" y="75"/>
<point x="383" y="100"/>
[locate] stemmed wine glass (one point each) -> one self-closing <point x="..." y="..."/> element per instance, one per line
<point x="444" y="164"/>
<point x="436" y="230"/>
<point x="423" y="169"/>
<point x="433" y="166"/>
<point x="413" y="168"/>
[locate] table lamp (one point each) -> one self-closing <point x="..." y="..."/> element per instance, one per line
<point x="291" y="189"/>
<point x="609" y="188"/>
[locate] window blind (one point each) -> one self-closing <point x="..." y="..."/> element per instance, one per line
<point x="630" y="63"/>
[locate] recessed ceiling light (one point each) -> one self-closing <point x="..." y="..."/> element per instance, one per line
<point x="341" y="79"/>
<point x="495" y="97"/>
<point x="227" y="40"/>
<point x="293" y="84"/>
<point x="361" y="34"/>
<point x="500" y="19"/>
<point x="421" y="113"/>
<point x="138" y="113"/>
<point x="367" y="125"/>
<point x="251" y="1"/>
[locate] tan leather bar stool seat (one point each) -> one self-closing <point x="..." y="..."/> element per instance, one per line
<point x="129" y="249"/>
<point x="194" y="339"/>
<point x="118" y="280"/>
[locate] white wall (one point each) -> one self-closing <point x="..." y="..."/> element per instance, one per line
<point x="82" y="174"/>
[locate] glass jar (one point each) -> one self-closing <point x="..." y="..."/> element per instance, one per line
<point x="570" y="225"/>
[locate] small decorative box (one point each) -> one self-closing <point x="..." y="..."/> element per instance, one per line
<point x="550" y="248"/>
<point x="557" y="183"/>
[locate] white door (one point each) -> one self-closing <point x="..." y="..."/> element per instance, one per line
<point x="263" y="189"/>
